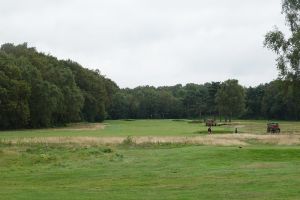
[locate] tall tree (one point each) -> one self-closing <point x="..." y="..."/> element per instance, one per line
<point x="14" y="95"/>
<point x="273" y="105"/>
<point x="211" y="100"/>
<point x="231" y="99"/>
<point x="288" y="50"/>
<point x="38" y="90"/>
<point x="254" y="97"/>
<point x="195" y="100"/>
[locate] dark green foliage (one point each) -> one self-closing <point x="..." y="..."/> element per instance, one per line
<point x="195" y="100"/>
<point x="120" y="108"/>
<point x="212" y="93"/>
<point x="14" y="95"/>
<point x="94" y="89"/>
<point x="254" y="97"/>
<point x="287" y="98"/>
<point x="280" y="101"/>
<point x="175" y="102"/>
<point x="275" y="100"/>
<point x="230" y="99"/>
<point x="38" y="90"/>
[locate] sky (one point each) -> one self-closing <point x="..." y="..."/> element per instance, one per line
<point x="151" y="42"/>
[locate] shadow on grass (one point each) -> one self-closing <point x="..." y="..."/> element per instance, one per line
<point x="129" y="120"/>
<point x="195" y="122"/>
<point x="214" y="132"/>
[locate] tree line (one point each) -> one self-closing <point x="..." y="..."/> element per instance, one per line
<point x="279" y="99"/>
<point x="222" y="101"/>
<point x="39" y="90"/>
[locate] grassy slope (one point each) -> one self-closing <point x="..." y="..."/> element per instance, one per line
<point x="190" y="172"/>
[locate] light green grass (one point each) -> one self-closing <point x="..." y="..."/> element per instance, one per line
<point x="148" y="171"/>
<point x="158" y="172"/>
<point x="260" y="126"/>
<point x="155" y="128"/>
<point x="126" y="128"/>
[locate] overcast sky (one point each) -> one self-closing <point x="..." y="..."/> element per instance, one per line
<point x="151" y="42"/>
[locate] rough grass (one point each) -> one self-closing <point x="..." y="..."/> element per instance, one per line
<point x="158" y="131"/>
<point x="56" y="171"/>
<point x="214" y="140"/>
<point x="155" y="159"/>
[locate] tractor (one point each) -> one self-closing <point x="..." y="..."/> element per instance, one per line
<point x="210" y="122"/>
<point x="273" y="127"/>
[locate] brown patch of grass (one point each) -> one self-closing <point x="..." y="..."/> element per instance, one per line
<point x="262" y="165"/>
<point x="202" y="140"/>
<point x="83" y="127"/>
<point x="283" y="139"/>
<point x="213" y="140"/>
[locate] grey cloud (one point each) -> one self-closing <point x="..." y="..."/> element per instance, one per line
<point x="158" y="42"/>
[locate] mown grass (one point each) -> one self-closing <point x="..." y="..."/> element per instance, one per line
<point x="168" y="170"/>
<point x="151" y="128"/>
<point x="38" y="171"/>
<point x="123" y="128"/>
<point x="260" y="126"/>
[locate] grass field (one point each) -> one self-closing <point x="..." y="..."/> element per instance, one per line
<point x="150" y="128"/>
<point x="122" y="128"/>
<point x="40" y="164"/>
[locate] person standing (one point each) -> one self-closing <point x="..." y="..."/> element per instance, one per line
<point x="209" y="130"/>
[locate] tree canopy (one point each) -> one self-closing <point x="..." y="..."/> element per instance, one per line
<point x="38" y="90"/>
<point x="288" y="50"/>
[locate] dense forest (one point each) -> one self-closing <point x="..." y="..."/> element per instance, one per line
<point x="275" y="100"/>
<point x="38" y="90"/>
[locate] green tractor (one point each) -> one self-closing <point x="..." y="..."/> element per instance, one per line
<point x="273" y="127"/>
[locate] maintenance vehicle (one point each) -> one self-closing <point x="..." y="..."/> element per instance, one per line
<point x="273" y="127"/>
<point x="210" y="122"/>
